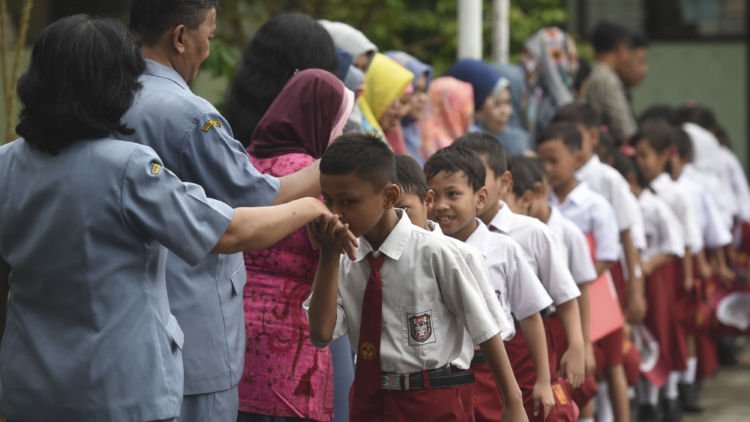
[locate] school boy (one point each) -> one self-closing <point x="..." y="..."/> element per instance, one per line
<point x="405" y="301"/>
<point x="539" y="246"/>
<point x="559" y="148"/>
<point x="416" y="200"/>
<point x="606" y="181"/>
<point x="529" y="196"/>
<point x="456" y="176"/>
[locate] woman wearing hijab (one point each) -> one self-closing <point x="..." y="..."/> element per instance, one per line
<point x="417" y="101"/>
<point x="515" y="133"/>
<point x="353" y="41"/>
<point x="450" y="115"/>
<point x="385" y="83"/>
<point x="285" y="376"/>
<point x="286" y="44"/>
<point x="550" y="61"/>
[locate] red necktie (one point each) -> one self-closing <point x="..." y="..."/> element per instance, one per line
<point x="367" y="373"/>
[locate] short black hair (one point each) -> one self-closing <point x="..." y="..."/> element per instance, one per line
<point x="626" y="165"/>
<point x="149" y="19"/>
<point x="578" y="113"/>
<point x="486" y="145"/>
<point x="365" y="155"/>
<point x="82" y="78"/>
<point x="682" y="143"/>
<point x="526" y="171"/>
<point x="638" y="41"/>
<point x="658" y="134"/>
<point x="569" y="133"/>
<point x="698" y="114"/>
<point x="663" y="112"/>
<point x="284" y="45"/>
<point x="607" y="146"/>
<point x="410" y="177"/>
<point x="607" y="35"/>
<point x="453" y="159"/>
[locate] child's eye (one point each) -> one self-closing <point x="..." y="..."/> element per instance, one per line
<point x="453" y="194"/>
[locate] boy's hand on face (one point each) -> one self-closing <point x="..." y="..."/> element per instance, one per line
<point x="333" y="236"/>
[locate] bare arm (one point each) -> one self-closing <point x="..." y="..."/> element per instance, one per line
<point x="635" y="301"/>
<point x="497" y="358"/>
<point x="305" y="182"/>
<point x="532" y="329"/>
<point x="572" y="362"/>
<point x="584" y="307"/>
<point x="260" y="227"/>
<point x="602" y="267"/>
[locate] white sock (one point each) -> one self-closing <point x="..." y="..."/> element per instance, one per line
<point x="603" y="405"/>
<point x="670" y="390"/>
<point x="688" y="376"/>
<point x="631" y="393"/>
<point x="647" y="393"/>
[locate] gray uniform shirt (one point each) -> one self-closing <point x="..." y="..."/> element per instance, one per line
<point x="89" y="335"/>
<point x="196" y="142"/>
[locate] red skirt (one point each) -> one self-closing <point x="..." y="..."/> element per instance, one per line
<point x="557" y="343"/>
<point x="660" y="320"/>
<point x="431" y="404"/>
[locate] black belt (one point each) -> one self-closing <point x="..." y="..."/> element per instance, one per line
<point x="437" y="378"/>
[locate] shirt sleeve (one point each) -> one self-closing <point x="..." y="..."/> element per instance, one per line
<point x="463" y="295"/>
<point x="157" y="205"/>
<point x="716" y="234"/>
<point x="478" y="268"/>
<point x="605" y="232"/>
<point x="552" y="268"/>
<point x="211" y="157"/>
<point x="526" y="294"/>
<point x="623" y="202"/>
<point x="579" y="259"/>
<point x="670" y="233"/>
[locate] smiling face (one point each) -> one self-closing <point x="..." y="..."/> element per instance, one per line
<point x="456" y="204"/>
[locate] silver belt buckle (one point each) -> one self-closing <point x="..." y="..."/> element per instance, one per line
<point x="391" y="381"/>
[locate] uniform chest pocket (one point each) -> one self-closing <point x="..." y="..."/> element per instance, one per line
<point x="421" y="324"/>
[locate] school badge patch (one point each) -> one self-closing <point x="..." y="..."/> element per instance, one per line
<point x="211" y="123"/>
<point x="420" y="328"/>
<point x="367" y="351"/>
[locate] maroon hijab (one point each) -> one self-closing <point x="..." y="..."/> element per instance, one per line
<point x="301" y="118"/>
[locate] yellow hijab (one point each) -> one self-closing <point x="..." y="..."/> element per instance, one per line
<point x="385" y="81"/>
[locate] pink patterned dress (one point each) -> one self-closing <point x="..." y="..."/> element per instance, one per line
<point x="284" y="375"/>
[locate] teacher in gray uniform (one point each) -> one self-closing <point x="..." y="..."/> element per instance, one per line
<point x="86" y="330"/>
<point x="196" y="142"/>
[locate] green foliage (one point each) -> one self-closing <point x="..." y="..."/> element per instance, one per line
<point x="425" y="28"/>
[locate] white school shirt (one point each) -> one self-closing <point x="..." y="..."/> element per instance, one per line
<point x="608" y="182"/>
<point x="541" y="252"/>
<point x="679" y="203"/>
<point x="664" y="235"/>
<point x="709" y="162"/>
<point x="737" y="183"/>
<point x="429" y="297"/>
<point x="499" y="310"/>
<point x="593" y="215"/>
<point x="573" y="243"/>
<point x="712" y="227"/>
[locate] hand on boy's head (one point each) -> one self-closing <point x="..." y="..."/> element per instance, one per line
<point x="332" y="235"/>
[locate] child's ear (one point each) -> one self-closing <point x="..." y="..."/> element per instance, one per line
<point x="481" y="196"/>
<point x="506" y="183"/>
<point x="429" y="199"/>
<point x="391" y="195"/>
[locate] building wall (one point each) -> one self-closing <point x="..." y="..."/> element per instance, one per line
<point x="713" y="73"/>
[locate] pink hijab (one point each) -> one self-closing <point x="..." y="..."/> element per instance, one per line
<point x="311" y="109"/>
<point x="451" y="113"/>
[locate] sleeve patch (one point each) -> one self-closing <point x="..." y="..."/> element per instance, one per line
<point x="211" y="123"/>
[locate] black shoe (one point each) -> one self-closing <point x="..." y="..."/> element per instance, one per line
<point x="690" y="398"/>
<point x="671" y="410"/>
<point x="648" y="413"/>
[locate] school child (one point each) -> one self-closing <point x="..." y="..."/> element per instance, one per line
<point x="456" y="176"/>
<point x="529" y="196"/>
<point x="606" y="181"/>
<point x="406" y="334"/>
<point x="416" y="200"/>
<point x="559" y="147"/>
<point x="539" y="246"/>
<point x="716" y="237"/>
<point x="492" y="101"/>
<point x="660" y="263"/>
<point x="653" y="149"/>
